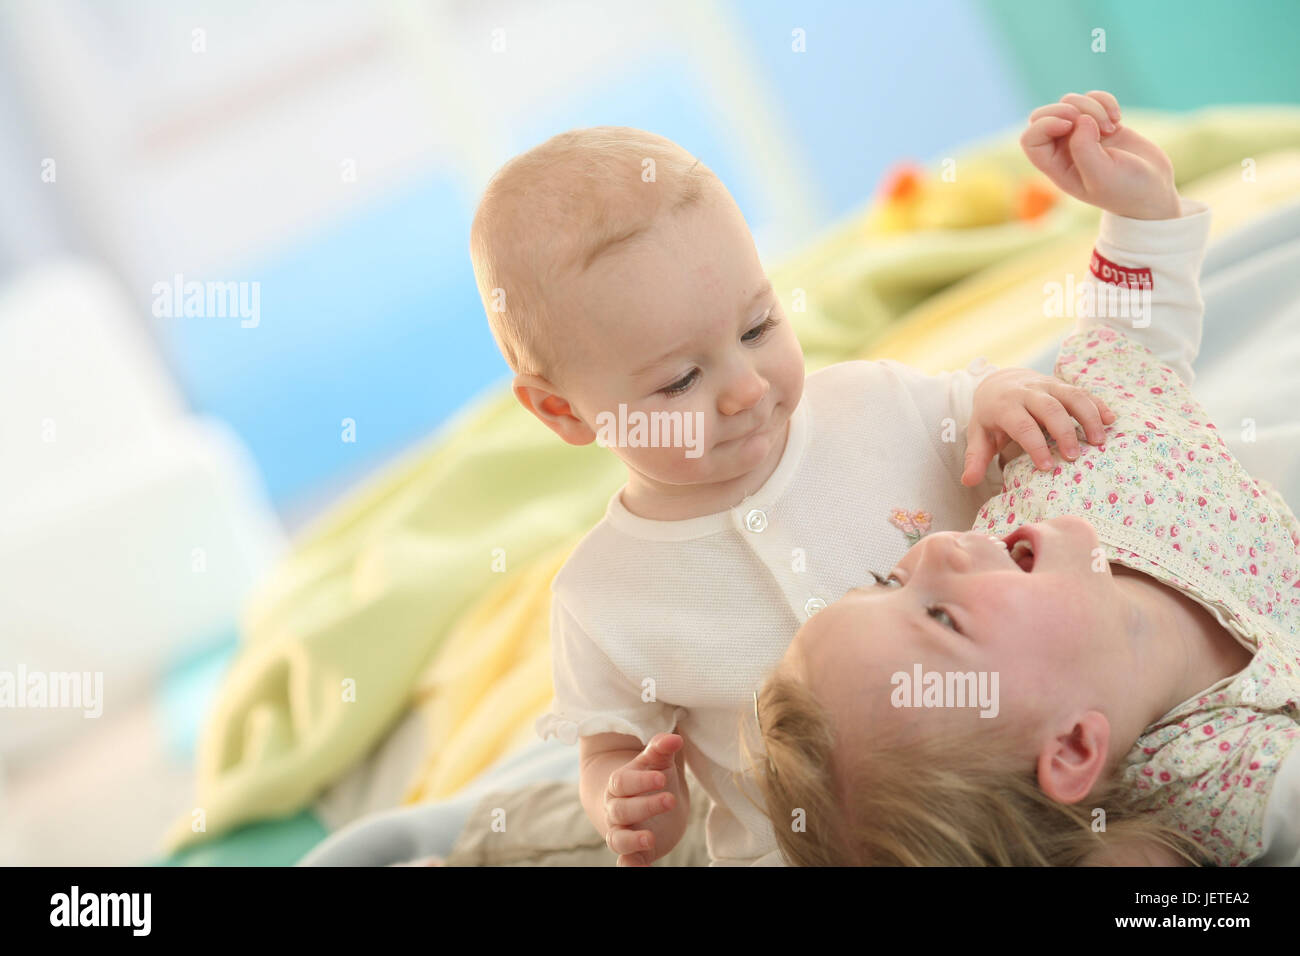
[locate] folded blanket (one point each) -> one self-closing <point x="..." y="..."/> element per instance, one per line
<point x="345" y="638"/>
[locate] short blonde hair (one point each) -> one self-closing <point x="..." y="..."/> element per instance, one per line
<point x="955" y="799"/>
<point x="553" y="210"/>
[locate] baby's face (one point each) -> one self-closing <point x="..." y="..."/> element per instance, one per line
<point x="684" y="320"/>
<point x="959" y="603"/>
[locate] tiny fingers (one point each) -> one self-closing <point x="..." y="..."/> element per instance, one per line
<point x="1086" y="408"/>
<point x="1025" y="431"/>
<point x="627" y="841"/>
<point x="1045" y="131"/>
<point x="627" y="811"/>
<point x="1058" y="110"/>
<point x="1107" y="100"/>
<point x="1093" y="108"/>
<point x="1052" y="415"/>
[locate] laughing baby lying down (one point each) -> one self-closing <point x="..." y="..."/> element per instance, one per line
<point x="1132" y="619"/>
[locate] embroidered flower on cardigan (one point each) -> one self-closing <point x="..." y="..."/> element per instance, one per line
<point x="914" y="524"/>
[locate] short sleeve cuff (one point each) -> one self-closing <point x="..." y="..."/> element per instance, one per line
<point x="569" y="728"/>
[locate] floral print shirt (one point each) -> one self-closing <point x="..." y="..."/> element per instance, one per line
<point x="1168" y="498"/>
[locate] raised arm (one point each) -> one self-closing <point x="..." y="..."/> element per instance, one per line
<point x="1152" y="241"/>
<point x="1155" y="265"/>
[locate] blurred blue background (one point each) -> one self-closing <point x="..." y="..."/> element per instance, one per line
<point x="332" y="152"/>
<point x="228" y="163"/>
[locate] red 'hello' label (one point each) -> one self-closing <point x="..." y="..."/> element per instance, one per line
<point x="1124" y="276"/>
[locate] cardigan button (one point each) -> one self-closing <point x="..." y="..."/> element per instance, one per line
<point x="814" y="605"/>
<point x="756" y="521"/>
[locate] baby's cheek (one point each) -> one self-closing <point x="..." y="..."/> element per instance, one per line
<point x="684" y="465"/>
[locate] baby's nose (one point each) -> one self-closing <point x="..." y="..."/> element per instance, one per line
<point x="743" y="394"/>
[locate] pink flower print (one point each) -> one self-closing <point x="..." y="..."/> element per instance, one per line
<point x="1011" y="517"/>
<point x="1157" y="390"/>
<point x="913" y="524"/>
<point x="1112" y="497"/>
<point x="1148" y="498"/>
<point x="1051" y="495"/>
<point x="1087" y="504"/>
<point x="1201" y="502"/>
<point x="1232" y="513"/>
<point x="1128" y="520"/>
<point x="1254" y="570"/>
<point x="1173" y="531"/>
<point x="1078" y="477"/>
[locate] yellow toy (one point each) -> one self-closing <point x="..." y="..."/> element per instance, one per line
<point x="910" y="199"/>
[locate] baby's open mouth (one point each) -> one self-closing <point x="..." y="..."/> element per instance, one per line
<point x="1021" y="549"/>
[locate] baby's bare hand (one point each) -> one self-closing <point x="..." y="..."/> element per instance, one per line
<point x="635" y="794"/>
<point x="1079" y="144"/>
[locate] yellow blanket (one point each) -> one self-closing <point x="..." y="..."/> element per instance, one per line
<point x="429" y="585"/>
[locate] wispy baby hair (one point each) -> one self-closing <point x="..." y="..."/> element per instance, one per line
<point x="550" y="212"/>
<point x="953" y="799"/>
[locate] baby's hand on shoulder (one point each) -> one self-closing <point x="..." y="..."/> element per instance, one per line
<point x="1015" y="405"/>
<point x="1080" y="145"/>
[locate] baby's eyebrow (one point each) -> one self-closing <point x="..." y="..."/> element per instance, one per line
<point x="920" y="630"/>
<point x="765" y="290"/>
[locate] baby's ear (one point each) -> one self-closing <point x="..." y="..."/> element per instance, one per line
<point x="1071" y="762"/>
<point x="552" y="409"/>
